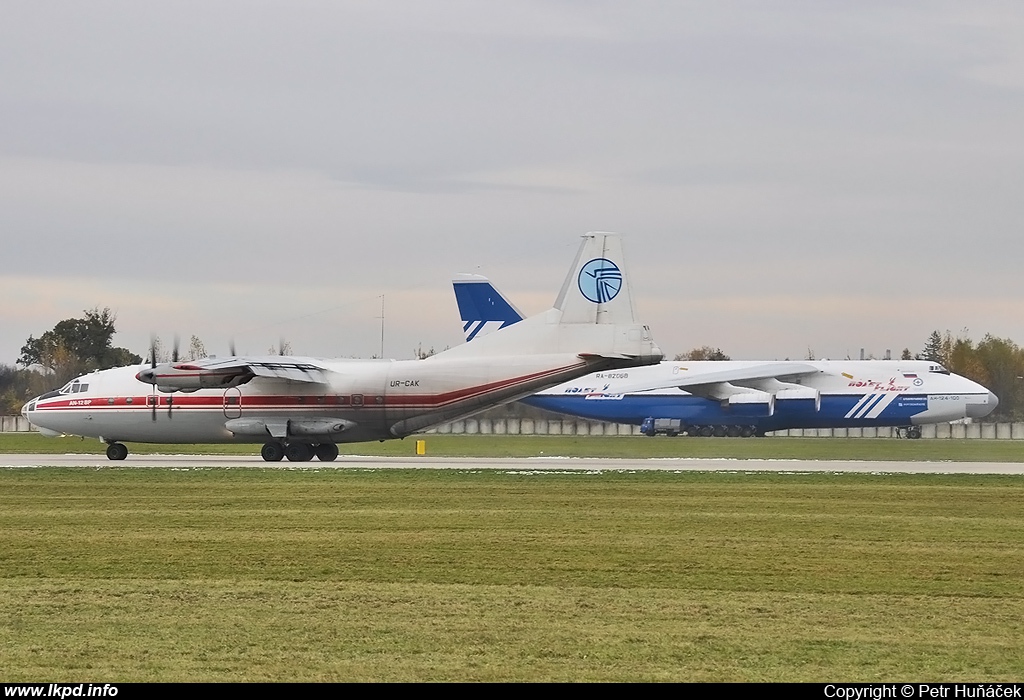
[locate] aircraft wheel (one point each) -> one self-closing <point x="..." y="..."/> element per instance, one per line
<point x="272" y="452"/>
<point x="733" y="431"/>
<point x="116" y="451"/>
<point x="328" y="452"/>
<point x="747" y="431"/>
<point x="706" y="431"/>
<point x="914" y="433"/>
<point x="299" y="452"/>
<point x="720" y="431"/>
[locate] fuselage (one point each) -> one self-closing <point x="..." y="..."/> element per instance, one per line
<point x="300" y="406"/>
<point x="840" y="394"/>
<point x="366" y="399"/>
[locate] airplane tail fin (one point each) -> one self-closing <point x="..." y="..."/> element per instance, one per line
<point x="597" y="289"/>
<point x="482" y="307"/>
<point x="593" y="317"/>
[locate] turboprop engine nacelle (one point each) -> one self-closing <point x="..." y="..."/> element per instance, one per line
<point x="185" y="377"/>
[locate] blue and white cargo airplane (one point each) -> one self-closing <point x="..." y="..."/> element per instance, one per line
<point x="744" y="398"/>
<point x="299" y="407"/>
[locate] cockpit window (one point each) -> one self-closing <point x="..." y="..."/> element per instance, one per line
<point x="938" y="369"/>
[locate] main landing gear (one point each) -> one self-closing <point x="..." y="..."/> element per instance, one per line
<point x="724" y="431"/>
<point x="116" y="451"/>
<point x="299" y="452"/>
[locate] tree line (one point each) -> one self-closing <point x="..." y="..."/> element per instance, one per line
<point x="995" y="363"/>
<point x="77" y="346"/>
<point x="71" y="348"/>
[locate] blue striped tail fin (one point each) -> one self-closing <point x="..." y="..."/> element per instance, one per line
<point x="482" y="307"/>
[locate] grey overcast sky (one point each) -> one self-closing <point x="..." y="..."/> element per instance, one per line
<point x="788" y="176"/>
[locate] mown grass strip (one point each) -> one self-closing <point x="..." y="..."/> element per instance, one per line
<point x="445" y="575"/>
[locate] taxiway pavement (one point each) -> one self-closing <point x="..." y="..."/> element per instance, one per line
<point x="514" y="464"/>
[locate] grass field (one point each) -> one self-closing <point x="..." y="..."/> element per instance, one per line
<point x="277" y="574"/>
<point x="586" y="446"/>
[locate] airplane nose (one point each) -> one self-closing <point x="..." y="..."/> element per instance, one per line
<point x="31" y="403"/>
<point x="984" y="407"/>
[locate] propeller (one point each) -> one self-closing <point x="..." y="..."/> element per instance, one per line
<point x="152" y="365"/>
<point x="174" y="358"/>
<point x="154" y="400"/>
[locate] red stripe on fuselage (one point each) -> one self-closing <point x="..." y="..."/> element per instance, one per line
<point x="294" y="401"/>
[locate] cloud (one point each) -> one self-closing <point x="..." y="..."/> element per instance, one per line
<point x="224" y="165"/>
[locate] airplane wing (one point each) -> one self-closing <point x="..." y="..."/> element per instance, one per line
<point x="761" y="377"/>
<point x="293" y="371"/>
<point x="232" y="371"/>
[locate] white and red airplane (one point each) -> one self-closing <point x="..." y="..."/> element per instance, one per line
<point x="299" y="407"/>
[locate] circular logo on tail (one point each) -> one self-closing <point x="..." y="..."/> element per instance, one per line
<point x="600" y="280"/>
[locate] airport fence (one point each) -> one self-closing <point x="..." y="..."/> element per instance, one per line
<point x="517" y="426"/>
<point x="16" y="424"/>
<point x="528" y="426"/>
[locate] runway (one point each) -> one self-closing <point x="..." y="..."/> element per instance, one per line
<point x="538" y="464"/>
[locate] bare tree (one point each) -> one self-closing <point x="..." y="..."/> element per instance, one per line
<point x="705" y="352"/>
<point x="196" y="349"/>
